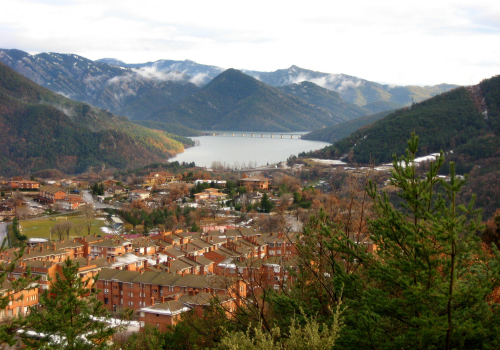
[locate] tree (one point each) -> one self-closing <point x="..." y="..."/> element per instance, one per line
<point x="265" y="204"/>
<point x="430" y="283"/>
<point x="8" y="330"/>
<point x="70" y="316"/>
<point x="61" y="228"/>
<point x="88" y="214"/>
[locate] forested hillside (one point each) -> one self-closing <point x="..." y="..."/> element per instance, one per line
<point x="40" y="129"/>
<point x="341" y="130"/>
<point x="464" y="123"/>
<point x="444" y="122"/>
<point x="236" y="101"/>
<point x="329" y="100"/>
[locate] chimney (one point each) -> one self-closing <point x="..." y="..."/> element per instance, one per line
<point x="158" y="261"/>
<point x="162" y="299"/>
<point x="183" y="273"/>
<point x="41" y="249"/>
<point x="88" y="261"/>
<point x="113" y="258"/>
<point x="44" y="264"/>
<point x="28" y="250"/>
<point x="108" y="259"/>
<point x="192" y="292"/>
<point x="152" y="300"/>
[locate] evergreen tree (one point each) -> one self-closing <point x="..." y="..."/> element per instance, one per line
<point x="430" y="282"/>
<point x="265" y="204"/>
<point x="68" y="313"/>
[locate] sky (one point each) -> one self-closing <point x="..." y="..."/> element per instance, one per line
<point x="395" y="42"/>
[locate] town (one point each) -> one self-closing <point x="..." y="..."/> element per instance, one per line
<point x="163" y="244"/>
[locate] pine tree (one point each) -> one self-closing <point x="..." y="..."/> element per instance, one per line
<point x="430" y="283"/>
<point x="70" y="316"/>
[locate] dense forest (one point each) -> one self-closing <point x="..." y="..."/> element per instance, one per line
<point x="342" y="130"/>
<point x="40" y="129"/>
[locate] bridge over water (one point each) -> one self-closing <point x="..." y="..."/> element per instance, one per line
<point x="257" y="135"/>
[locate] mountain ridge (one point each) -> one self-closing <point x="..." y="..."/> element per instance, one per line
<point x="40" y="129"/>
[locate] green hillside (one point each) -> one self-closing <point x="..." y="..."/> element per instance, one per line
<point x="235" y="101"/>
<point x="40" y="129"/>
<point x="329" y="100"/>
<point x="443" y="122"/>
<point x="341" y="130"/>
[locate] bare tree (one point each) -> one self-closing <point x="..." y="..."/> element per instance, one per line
<point x="89" y="215"/>
<point x="78" y="229"/>
<point x="61" y="228"/>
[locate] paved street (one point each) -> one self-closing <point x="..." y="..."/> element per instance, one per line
<point x="3" y="231"/>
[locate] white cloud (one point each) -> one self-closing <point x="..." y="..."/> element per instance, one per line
<point x="412" y="42"/>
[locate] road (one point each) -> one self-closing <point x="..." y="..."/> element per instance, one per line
<point x="88" y="198"/>
<point x="3" y="231"/>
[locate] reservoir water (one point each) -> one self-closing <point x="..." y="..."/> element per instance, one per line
<point x="238" y="150"/>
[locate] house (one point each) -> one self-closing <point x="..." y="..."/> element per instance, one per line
<point x="253" y="198"/>
<point x="112" y="247"/>
<point x="138" y="194"/>
<point x="162" y="315"/>
<point x="209" y="195"/>
<point x="20" y="302"/>
<point x="71" y="202"/>
<point x="24" y="185"/>
<point x="257" y="183"/>
<point x="51" y="194"/>
<point x="116" y="190"/>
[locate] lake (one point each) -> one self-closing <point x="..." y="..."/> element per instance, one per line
<point x="238" y="150"/>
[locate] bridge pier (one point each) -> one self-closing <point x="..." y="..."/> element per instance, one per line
<point x="291" y="136"/>
<point x="272" y="136"/>
<point x="281" y="136"/>
<point x="233" y="134"/>
<point x="252" y="135"/>
<point x="242" y="135"/>
<point x="262" y="135"/>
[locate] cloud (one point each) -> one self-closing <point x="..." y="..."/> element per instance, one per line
<point x="200" y="79"/>
<point x="147" y="73"/>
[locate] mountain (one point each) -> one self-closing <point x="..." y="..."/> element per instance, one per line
<point x="341" y="130"/>
<point x="125" y="91"/>
<point x="329" y="100"/>
<point x="464" y="123"/>
<point x="358" y="91"/>
<point x="236" y="101"/>
<point x="199" y="74"/>
<point x="354" y="90"/>
<point x="43" y="130"/>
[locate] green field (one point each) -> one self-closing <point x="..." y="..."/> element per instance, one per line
<point x="41" y="228"/>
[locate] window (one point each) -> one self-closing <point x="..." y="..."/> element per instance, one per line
<point x="155" y="290"/>
<point x="106" y="291"/>
<point x="106" y="283"/>
<point x="143" y="324"/>
<point x="130" y="303"/>
<point x="131" y="294"/>
<point x="142" y="314"/>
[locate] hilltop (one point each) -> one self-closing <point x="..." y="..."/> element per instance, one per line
<point x="236" y="101"/>
<point x="40" y="129"/>
<point x="123" y="91"/>
<point x="464" y="123"/>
